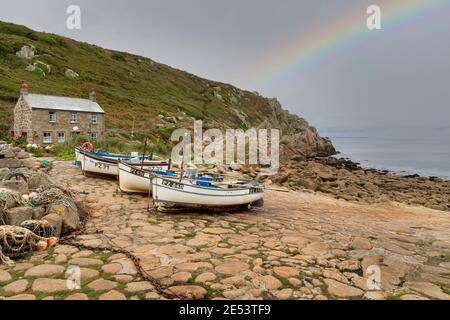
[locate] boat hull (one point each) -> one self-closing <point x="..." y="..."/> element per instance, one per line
<point x="97" y="166"/>
<point x="135" y="180"/>
<point x="175" y="193"/>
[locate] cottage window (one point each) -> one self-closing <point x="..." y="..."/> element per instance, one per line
<point x="94" y="119"/>
<point x="47" y="137"/>
<point x="61" y="137"/>
<point x="73" y="118"/>
<point x="93" y="135"/>
<point x="52" y="116"/>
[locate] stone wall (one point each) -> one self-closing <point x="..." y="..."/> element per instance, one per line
<point x="22" y="120"/>
<point x="63" y="124"/>
<point x="14" y="157"/>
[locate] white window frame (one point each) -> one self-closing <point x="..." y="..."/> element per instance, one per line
<point x="47" y="139"/>
<point x="52" y="117"/>
<point x="61" y="139"/>
<point x="94" y="119"/>
<point x="73" y="117"/>
<point x="93" y="135"/>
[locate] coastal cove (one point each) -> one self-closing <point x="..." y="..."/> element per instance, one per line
<point x="404" y="156"/>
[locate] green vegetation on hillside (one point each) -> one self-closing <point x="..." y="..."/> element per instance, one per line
<point x="130" y="88"/>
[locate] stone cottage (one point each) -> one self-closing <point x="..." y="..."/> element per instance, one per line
<point x="46" y="120"/>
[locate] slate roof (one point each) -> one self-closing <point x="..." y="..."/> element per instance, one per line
<point x="38" y="101"/>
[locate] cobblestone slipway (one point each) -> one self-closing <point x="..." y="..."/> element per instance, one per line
<point x="300" y="246"/>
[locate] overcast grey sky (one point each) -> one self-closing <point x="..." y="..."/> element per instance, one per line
<point x="398" y="77"/>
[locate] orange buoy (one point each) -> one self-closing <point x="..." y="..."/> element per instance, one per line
<point x="51" y="242"/>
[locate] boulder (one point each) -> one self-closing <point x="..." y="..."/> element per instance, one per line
<point x="17" y="185"/>
<point x="13" y="198"/>
<point x="28" y="163"/>
<point x="38" y="213"/>
<point x="10" y="163"/>
<point x="56" y="221"/>
<point x="15" y="216"/>
<point x="37" y="181"/>
<point x="81" y="207"/>
<point x="23" y="155"/>
<point x="70" y="218"/>
<point x="7" y="154"/>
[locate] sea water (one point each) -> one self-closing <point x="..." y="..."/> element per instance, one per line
<point x="428" y="156"/>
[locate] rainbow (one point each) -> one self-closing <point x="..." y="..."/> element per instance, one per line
<point x="346" y="32"/>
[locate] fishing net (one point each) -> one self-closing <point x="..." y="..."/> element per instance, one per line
<point x="41" y="228"/>
<point x="16" y="242"/>
<point x="52" y="196"/>
<point x="8" y="199"/>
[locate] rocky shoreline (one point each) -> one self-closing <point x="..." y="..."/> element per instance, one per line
<point x="344" y="179"/>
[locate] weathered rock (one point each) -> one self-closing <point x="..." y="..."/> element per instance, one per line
<point x="70" y="218"/>
<point x="22" y="155"/>
<point x="49" y="285"/>
<point x="181" y="276"/>
<point x="44" y="270"/>
<point x="4" y="276"/>
<point x="428" y="289"/>
<point x="188" y="292"/>
<point x="112" y="295"/>
<point x="342" y="290"/>
<point x="10" y="163"/>
<point x="102" y="284"/>
<point x="139" y="286"/>
<point x="77" y="297"/>
<point x="38" y="213"/>
<point x="18" y="286"/>
<point x="232" y="267"/>
<point x="24" y="297"/>
<point x="17" y="185"/>
<point x="86" y="262"/>
<point x="286" y="272"/>
<point x="205" y="277"/>
<point x="271" y="283"/>
<point x="361" y="244"/>
<point x="15" y="216"/>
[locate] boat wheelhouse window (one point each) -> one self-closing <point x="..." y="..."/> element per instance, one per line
<point x="61" y="136"/>
<point x="191" y="173"/>
<point x="47" y="137"/>
<point x="51" y="116"/>
<point x="73" y="118"/>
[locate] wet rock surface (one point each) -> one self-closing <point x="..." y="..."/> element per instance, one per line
<point x="300" y="246"/>
<point x="344" y="179"/>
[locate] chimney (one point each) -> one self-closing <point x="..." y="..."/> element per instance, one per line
<point x="93" y="95"/>
<point x="24" y="89"/>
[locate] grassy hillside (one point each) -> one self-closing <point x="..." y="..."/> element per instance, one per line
<point x="131" y="89"/>
<point x="127" y="85"/>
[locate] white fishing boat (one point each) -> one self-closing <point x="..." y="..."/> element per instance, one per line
<point x="109" y="168"/>
<point x="79" y="152"/>
<point x="135" y="179"/>
<point x="204" y="194"/>
<point x="93" y="165"/>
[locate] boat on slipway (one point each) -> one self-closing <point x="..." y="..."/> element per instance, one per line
<point x="103" y="154"/>
<point x="137" y="179"/>
<point x="109" y="168"/>
<point x="193" y="193"/>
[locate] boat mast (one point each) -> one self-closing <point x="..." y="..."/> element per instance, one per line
<point x="143" y="154"/>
